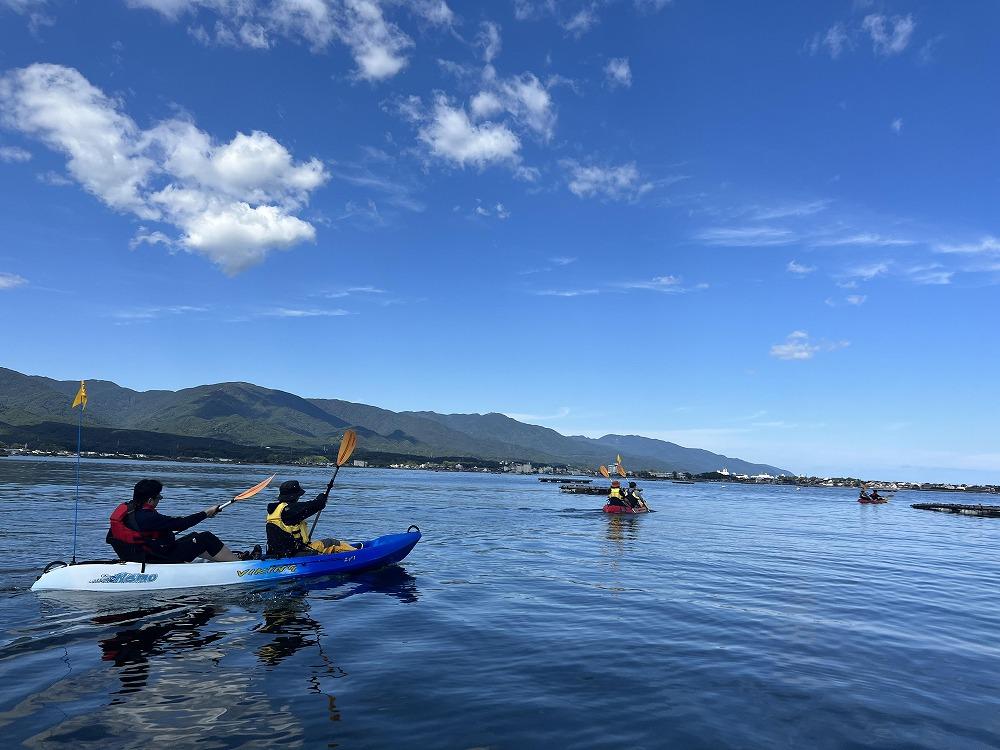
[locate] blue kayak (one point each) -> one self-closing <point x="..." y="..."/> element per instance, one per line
<point x="130" y="576"/>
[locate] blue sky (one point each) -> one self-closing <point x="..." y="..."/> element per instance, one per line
<point x="767" y="230"/>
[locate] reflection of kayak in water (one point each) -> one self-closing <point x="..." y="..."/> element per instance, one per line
<point x="125" y="577"/>
<point x="623" y="510"/>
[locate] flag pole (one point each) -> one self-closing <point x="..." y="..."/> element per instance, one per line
<point x="76" y="504"/>
<point x="81" y="401"/>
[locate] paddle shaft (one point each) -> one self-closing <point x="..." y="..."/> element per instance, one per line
<point x="329" y="486"/>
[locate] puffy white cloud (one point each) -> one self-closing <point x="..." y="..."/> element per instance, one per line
<point x="233" y="202"/>
<point x="14" y="154"/>
<point x="11" y="280"/>
<point x="615" y="183"/>
<point x="529" y="102"/>
<point x="897" y="125"/>
<point x="451" y="135"/>
<point x="618" y="72"/>
<point x="890" y="36"/>
<point x="855" y="299"/>
<point x="798" y="346"/>
<point x="485" y="104"/>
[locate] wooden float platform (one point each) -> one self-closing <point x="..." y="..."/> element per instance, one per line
<point x="990" y="511"/>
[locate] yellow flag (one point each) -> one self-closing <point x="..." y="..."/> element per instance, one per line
<point x="81" y="396"/>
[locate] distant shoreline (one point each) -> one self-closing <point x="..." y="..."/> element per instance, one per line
<point x="884" y="486"/>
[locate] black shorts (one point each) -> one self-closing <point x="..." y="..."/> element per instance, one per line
<point x="188" y="547"/>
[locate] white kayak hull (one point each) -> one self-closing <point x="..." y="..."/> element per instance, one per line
<point x="128" y="577"/>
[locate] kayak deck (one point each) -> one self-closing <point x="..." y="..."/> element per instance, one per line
<point x="130" y="576"/>
<point x="623" y="510"/>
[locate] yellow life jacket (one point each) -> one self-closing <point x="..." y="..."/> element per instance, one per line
<point x="615" y="494"/>
<point x="299" y="531"/>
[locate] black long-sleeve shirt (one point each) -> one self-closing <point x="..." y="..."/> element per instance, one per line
<point x="147" y="519"/>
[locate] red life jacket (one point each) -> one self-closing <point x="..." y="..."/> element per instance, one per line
<point x="122" y="533"/>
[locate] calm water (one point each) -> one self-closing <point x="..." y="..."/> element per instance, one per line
<point x="732" y="617"/>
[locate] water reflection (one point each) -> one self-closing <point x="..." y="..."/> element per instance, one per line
<point x="131" y="649"/>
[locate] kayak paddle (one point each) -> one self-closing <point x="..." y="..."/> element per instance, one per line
<point x="347" y="444"/>
<point x="247" y="494"/>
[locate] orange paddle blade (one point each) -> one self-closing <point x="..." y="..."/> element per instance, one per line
<point x="347" y="447"/>
<point x="604" y="472"/>
<point x="621" y="470"/>
<point x="255" y="489"/>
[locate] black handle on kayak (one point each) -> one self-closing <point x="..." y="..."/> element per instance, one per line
<point x="411" y="527"/>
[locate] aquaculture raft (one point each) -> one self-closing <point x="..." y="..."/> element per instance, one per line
<point x="991" y="511"/>
<point x="583" y="489"/>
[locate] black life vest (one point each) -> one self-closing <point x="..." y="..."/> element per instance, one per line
<point x="119" y="532"/>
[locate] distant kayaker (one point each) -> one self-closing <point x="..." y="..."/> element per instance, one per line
<point x="864" y="494"/>
<point x="633" y="496"/>
<point x="615" y="496"/>
<point x="139" y="533"/>
<point x="287" y="530"/>
<point x="876" y="497"/>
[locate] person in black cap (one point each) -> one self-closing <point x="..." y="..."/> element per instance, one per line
<point x="287" y="530"/>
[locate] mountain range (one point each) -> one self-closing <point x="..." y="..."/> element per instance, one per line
<point x="242" y="420"/>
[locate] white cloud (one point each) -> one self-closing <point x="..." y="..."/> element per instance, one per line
<point x="581" y="22"/>
<point x="869" y="271"/>
<point x="614" y="183"/>
<point x="562" y="260"/>
<point x="485" y="104"/>
<point x="291" y="312"/>
<point x="865" y="238"/>
<point x="14" y="154"/>
<point x="146" y="237"/>
<point x="798" y="346"/>
<point x="988" y="244"/>
<point x="618" y="73"/>
<point x="667" y="284"/>
<point x="566" y="292"/>
<point x="897" y="125"/>
<point x="930" y="274"/>
<point x="529" y="102"/>
<point x="787" y="210"/>
<point x="11" y="280"/>
<point x="855" y="299"/>
<point x="834" y="41"/>
<point x="799" y="269"/>
<point x="498" y="210"/>
<point x="378" y="46"/>
<point x="489" y="40"/>
<point x="232" y="202"/>
<point x="150" y="313"/>
<point x="452" y="136"/>
<point x="890" y="36"/>
<point x="747" y="236"/>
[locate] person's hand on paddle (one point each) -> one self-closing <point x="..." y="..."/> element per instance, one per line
<point x="211" y="511"/>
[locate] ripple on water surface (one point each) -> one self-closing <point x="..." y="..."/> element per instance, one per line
<point x="732" y="617"/>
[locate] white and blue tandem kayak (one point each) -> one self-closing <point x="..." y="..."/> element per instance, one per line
<point x="131" y="576"/>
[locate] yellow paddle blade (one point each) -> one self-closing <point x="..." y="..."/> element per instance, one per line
<point x="255" y="489"/>
<point x="621" y="471"/>
<point x="618" y="460"/>
<point x="347" y="447"/>
<point x="604" y="472"/>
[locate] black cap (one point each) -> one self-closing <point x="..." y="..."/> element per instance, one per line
<point x="291" y="490"/>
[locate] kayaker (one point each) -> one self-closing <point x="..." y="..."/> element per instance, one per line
<point x="633" y="496"/>
<point x="864" y="495"/>
<point x="877" y="498"/>
<point x="615" y="496"/>
<point x="287" y="530"/>
<point x="139" y="533"/>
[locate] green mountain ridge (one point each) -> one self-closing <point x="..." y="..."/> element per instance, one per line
<point x="240" y="416"/>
